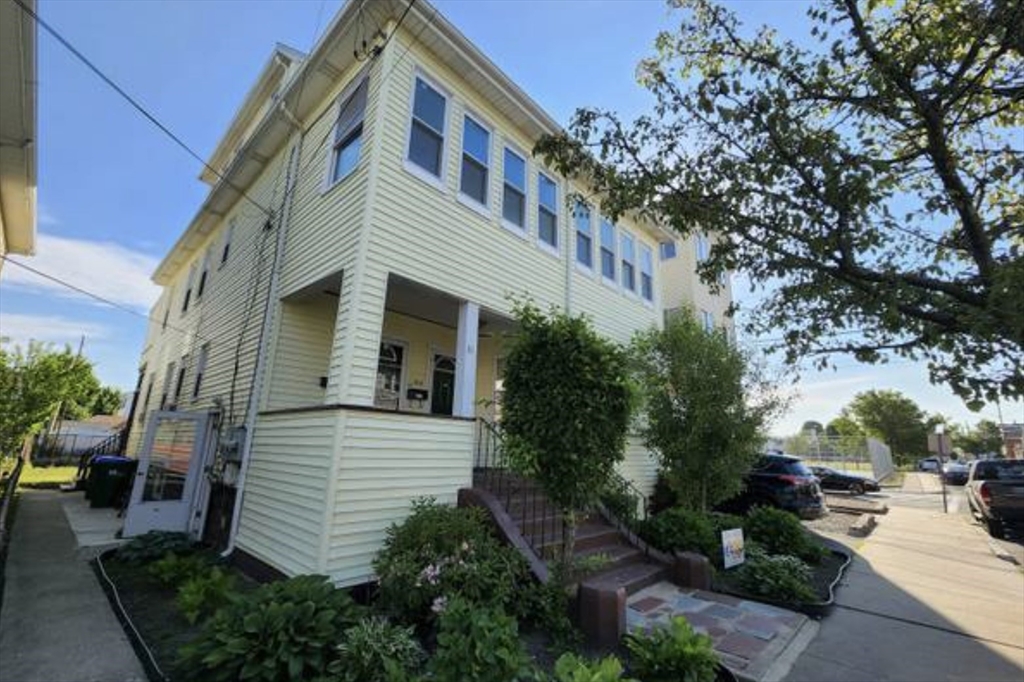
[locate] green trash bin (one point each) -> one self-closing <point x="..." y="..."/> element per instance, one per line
<point x="110" y="477"/>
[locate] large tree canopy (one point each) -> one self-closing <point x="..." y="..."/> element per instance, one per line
<point x="869" y="177"/>
<point x="894" y="419"/>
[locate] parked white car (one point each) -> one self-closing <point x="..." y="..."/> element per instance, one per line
<point x="929" y="464"/>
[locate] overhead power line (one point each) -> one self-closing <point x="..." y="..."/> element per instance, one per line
<point x="93" y="295"/>
<point x="135" y="104"/>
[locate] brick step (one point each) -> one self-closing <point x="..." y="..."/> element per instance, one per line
<point x="618" y="554"/>
<point x="594" y="534"/>
<point x="633" y="577"/>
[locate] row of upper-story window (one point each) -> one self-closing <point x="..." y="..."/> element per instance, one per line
<point x="174" y="382"/>
<point x="200" y="273"/>
<point x="602" y="249"/>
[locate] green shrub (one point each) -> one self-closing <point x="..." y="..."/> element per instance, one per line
<point x="780" y="532"/>
<point x="374" y="650"/>
<point x="682" y="530"/>
<point x="442" y="551"/>
<point x="176" y="569"/>
<point x="571" y="668"/>
<point x="155" y="545"/>
<point x="620" y="500"/>
<point x="545" y="606"/>
<point x="672" y="654"/>
<point x="721" y="521"/>
<point x="782" y="578"/>
<point x="279" y="632"/>
<point x="201" y="596"/>
<point x="477" y="644"/>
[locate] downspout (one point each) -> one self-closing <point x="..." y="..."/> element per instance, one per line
<point x="570" y="246"/>
<point x="261" y="356"/>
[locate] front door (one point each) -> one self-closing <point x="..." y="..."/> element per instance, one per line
<point x="443" y="385"/>
<point x="166" y="492"/>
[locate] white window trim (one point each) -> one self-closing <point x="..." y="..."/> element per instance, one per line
<point x="654" y="285"/>
<point x="199" y="376"/>
<point x="583" y="267"/>
<point x="555" y="250"/>
<point x="422" y="173"/>
<point x="470" y="200"/>
<point x="524" y="229"/>
<point x="403" y="377"/>
<point x="608" y="281"/>
<point x="624" y="233"/>
<point x="203" y="282"/>
<point x="331" y="155"/>
<point x="225" y="242"/>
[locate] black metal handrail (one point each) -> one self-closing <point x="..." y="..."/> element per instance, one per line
<point x="539" y="520"/>
<point x="114" y="445"/>
<point x="624" y="500"/>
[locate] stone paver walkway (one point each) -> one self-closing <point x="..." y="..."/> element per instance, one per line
<point x="750" y="637"/>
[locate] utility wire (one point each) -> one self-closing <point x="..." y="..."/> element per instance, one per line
<point x="95" y="296"/>
<point x="138" y="107"/>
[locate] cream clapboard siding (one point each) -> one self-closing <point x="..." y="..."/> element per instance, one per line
<point x="287" y="488"/>
<point x="681" y="285"/>
<point x="385" y="462"/>
<point x="326" y="222"/>
<point x="301" y="353"/>
<point x="639" y="466"/>
<point x="219" y="317"/>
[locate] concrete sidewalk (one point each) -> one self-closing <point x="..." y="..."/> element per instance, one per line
<point x="56" y="624"/>
<point x="925" y="600"/>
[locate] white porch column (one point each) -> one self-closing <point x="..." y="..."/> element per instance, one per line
<point x="465" y="360"/>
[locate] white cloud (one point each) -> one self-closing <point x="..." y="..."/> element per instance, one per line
<point x="110" y="270"/>
<point x="20" y="329"/>
<point x="44" y="216"/>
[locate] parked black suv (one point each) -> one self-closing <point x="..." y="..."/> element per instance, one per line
<point x="781" y="481"/>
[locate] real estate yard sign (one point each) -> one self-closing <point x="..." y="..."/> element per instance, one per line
<point x="732" y="547"/>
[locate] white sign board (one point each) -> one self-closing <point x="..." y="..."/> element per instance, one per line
<point x="732" y="547"/>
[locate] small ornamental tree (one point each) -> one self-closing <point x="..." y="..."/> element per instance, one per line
<point x="566" y="408"/>
<point x="705" y="407"/>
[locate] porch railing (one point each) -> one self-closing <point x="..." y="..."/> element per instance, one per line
<point x="523" y="498"/>
<point x="624" y="500"/>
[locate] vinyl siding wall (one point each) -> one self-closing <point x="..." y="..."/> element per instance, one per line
<point x="286" y="492"/>
<point x="229" y="311"/>
<point x="639" y="466"/>
<point x="386" y="461"/>
<point x="302" y="352"/>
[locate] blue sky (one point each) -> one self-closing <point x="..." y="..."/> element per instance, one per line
<point x="114" y="192"/>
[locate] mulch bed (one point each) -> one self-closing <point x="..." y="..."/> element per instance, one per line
<point x="150" y="605"/>
<point x="823" y="576"/>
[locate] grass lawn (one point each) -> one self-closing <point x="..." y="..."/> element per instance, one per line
<point x="32" y="476"/>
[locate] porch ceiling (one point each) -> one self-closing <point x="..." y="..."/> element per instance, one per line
<point x="425" y="303"/>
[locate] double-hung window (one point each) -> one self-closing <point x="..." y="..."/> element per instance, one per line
<point x="188" y="288"/>
<point x="426" y="137"/>
<point x="180" y="383"/>
<point x="703" y="248"/>
<point x="607" y="250"/>
<point x="348" y="132"/>
<point x="476" y="147"/>
<point x="513" y="201"/>
<point x="646" y="273"/>
<point x="628" y="262"/>
<point x="204" y="275"/>
<point x="584" y="236"/>
<point x="225" y="249"/>
<point x="668" y="250"/>
<point x="204" y="354"/>
<point x="707" y="321"/>
<point x="547" y="211"/>
<point x="165" y="394"/>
